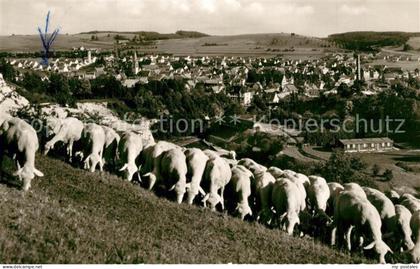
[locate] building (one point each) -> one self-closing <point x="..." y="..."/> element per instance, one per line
<point x="130" y="82"/>
<point x="367" y="144"/>
<point x="136" y="64"/>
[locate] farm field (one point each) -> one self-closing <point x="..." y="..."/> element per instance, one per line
<point x="414" y="42"/>
<point x="262" y="44"/>
<point x="404" y="65"/>
<point x="31" y="43"/>
<point x="248" y="45"/>
<point x="72" y="216"/>
<point x="403" y="180"/>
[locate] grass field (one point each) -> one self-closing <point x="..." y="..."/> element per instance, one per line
<point x="414" y="42"/>
<point x="405" y="181"/>
<point x="72" y="216"/>
<point x="251" y="45"/>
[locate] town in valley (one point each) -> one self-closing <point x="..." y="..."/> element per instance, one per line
<point x="145" y="147"/>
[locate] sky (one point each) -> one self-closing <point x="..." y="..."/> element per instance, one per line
<point x="216" y="17"/>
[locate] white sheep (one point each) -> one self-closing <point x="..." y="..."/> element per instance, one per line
<point x="415" y="227"/>
<point x="196" y="163"/>
<point x="216" y="176"/>
<point x="335" y="190"/>
<point x="354" y="211"/>
<point x="150" y="157"/>
<point x="68" y="131"/>
<point x="385" y="208"/>
<point x="262" y="185"/>
<point x="112" y="139"/>
<point x="403" y="217"/>
<point x="303" y="194"/>
<point x="286" y="200"/>
<point x="275" y="171"/>
<point x="410" y="202"/>
<point x="172" y="167"/>
<point x="252" y="165"/>
<point x="95" y="138"/>
<point x="129" y="149"/>
<point x="22" y="143"/>
<point x="318" y="193"/>
<point x="356" y="188"/>
<point x="239" y="188"/>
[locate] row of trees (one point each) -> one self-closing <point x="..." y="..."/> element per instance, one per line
<point x="369" y="41"/>
<point x="340" y="167"/>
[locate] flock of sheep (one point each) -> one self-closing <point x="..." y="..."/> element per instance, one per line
<point x="352" y="215"/>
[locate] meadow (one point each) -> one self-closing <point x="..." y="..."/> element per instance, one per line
<point x="73" y="216"/>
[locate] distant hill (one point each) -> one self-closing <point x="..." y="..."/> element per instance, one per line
<point x="150" y="35"/>
<point x="179" y="43"/>
<point x="370" y="41"/>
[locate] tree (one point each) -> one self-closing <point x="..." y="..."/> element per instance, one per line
<point x="234" y="109"/>
<point x="344" y="90"/>
<point x="258" y="104"/>
<point x="107" y="87"/>
<point x="407" y="47"/>
<point x="341" y="167"/>
<point x="59" y="88"/>
<point x="375" y="170"/>
<point x="252" y="76"/>
<point x="33" y="83"/>
<point x="388" y="175"/>
<point x="80" y="88"/>
<point x="7" y="70"/>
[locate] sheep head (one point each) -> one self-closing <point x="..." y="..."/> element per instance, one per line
<point x="26" y="174"/>
<point x="179" y="188"/>
<point x="381" y="248"/>
<point x="48" y="146"/>
<point x="129" y="169"/>
<point x="243" y="209"/>
<point x="415" y="255"/>
<point x="212" y="199"/>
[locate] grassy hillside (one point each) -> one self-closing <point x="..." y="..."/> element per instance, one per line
<point x="72" y="216"/>
<point x="368" y="41"/>
<point x="103" y="39"/>
<point x="251" y="44"/>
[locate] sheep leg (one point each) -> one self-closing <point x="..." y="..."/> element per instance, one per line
<point x="96" y="160"/>
<point x="18" y="168"/>
<point x="101" y="164"/>
<point x="348" y="237"/>
<point x="101" y="161"/>
<point x="152" y="181"/>
<point x="222" y="199"/>
<point x="333" y="236"/>
<point x="87" y="162"/>
<point x="361" y="241"/>
<point x="70" y="150"/>
<point x="17" y="161"/>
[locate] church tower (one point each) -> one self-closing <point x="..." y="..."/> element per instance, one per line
<point x="135" y="64"/>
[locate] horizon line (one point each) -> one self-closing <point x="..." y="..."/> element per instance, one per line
<point x="210" y="35"/>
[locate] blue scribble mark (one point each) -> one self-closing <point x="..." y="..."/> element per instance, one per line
<point x="47" y="41"/>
